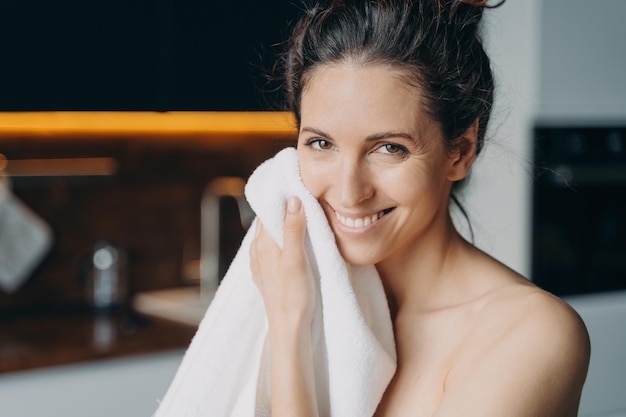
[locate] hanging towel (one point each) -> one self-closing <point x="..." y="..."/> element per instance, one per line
<point x="25" y="239"/>
<point x="225" y="371"/>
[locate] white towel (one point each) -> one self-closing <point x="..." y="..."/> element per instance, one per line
<point x="225" y="370"/>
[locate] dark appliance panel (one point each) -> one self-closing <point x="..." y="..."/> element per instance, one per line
<point x="579" y="209"/>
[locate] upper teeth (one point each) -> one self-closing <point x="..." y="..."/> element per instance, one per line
<point x="360" y="222"/>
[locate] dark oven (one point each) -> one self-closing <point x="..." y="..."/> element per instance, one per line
<point x="579" y="209"/>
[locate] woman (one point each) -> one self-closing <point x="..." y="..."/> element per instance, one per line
<point x="392" y="99"/>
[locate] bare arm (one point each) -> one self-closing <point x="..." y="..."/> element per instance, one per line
<point x="285" y="281"/>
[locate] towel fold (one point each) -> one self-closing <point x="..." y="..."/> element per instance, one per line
<point x="225" y="371"/>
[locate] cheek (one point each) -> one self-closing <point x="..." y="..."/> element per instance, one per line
<point x="403" y="182"/>
<point x="311" y="177"/>
<point x="417" y="185"/>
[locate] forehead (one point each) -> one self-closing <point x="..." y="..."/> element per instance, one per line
<point x="363" y="97"/>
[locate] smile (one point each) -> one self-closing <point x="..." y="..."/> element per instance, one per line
<point x="361" y="222"/>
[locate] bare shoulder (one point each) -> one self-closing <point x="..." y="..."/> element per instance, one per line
<point x="527" y="355"/>
<point x="529" y="313"/>
<point x="519" y="310"/>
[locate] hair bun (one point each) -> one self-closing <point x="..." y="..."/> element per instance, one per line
<point x="482" y="3"/>
<point x="475" y="2"/>
<point x="464" y="14"/>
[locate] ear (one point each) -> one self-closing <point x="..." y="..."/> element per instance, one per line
<point x="464" y="153"/>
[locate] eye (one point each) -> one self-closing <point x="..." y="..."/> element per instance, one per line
<point x="392" y="149"/>
<point x="320" y="144"/>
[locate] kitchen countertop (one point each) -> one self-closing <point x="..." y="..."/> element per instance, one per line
<point x="38" y="341"/>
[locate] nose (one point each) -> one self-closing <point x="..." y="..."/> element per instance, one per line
<point x="354" y="182"/>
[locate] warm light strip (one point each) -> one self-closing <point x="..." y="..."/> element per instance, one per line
<point x="154" y="124"/>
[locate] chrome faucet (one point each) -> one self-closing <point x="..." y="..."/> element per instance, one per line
<point x="214" y="192"/>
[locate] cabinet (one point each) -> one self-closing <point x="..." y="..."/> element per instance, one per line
<point x="139" y="54"/>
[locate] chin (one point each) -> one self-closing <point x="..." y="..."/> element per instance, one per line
<point x="356" y="257"/>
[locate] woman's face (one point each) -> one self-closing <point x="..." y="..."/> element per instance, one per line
<point x="374" y="160"/>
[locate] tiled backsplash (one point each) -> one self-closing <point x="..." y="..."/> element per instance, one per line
<point x="149" y="208"/>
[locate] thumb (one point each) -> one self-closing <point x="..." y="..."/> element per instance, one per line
<point x="295" y="224"/>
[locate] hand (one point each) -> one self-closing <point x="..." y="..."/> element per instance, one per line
<point x="284" y="276"/>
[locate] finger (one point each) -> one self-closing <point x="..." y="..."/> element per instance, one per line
<point x="254" y="246"/>
<point x="294" y="226"/>
<point x="262" y="237"/>
<point x="263" y="244"/>
<point x="260" y="249"/>
<point x="253" y="253"/>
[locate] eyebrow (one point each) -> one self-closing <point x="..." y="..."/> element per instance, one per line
<point x="372" y="137"/>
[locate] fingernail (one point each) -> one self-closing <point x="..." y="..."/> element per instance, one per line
<point x="293" y="205"/>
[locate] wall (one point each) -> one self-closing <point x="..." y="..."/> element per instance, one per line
<point x="583" y="60"/>
<point x="498" y="195"/>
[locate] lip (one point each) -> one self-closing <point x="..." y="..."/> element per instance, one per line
<point x="357" y="224"/>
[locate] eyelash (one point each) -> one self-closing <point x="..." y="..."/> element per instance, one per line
<point x="400" y="150"/>
<point x="316" y="144"/>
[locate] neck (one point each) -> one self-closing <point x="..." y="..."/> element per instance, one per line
<point x="423" y="275"/>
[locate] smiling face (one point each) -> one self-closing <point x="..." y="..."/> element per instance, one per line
<point x="375" y="161"/>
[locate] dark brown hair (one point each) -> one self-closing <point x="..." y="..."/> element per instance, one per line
<point x="436" y="43"/>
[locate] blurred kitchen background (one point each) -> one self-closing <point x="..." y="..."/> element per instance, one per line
<point x="111" y="216"/>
